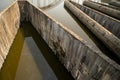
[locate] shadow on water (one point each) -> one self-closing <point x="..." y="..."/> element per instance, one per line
<point x="52" y="60"/>
<point x="97" y="41"/>
<point x="12" y="62"/>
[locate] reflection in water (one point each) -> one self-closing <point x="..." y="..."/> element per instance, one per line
<point x="31" y="59"/>
<point x="24" y="59"/>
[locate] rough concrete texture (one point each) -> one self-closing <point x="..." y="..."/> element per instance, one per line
<point x="111" y="24"/>
<point x="115" y="3"/>
<point x="80" y="59"/>
<point x="110" y="6"/>
<point x="104" y="35"/>
<point x="23" y="10"/>
<point x="9" y="24"/>
<point x="109" y="11"/>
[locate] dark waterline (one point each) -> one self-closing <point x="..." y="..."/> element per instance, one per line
<point x="10" y="68"/>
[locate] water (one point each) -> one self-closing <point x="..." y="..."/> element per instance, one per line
<point x="31" y="59"/>
<point x="64" y="16"/>
<point x="60" y="14"/>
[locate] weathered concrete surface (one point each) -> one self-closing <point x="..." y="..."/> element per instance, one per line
<point x="115" y="3"/>
<point x="80" y="59"/>
<point x="109" y="11"/>
<point x="9" y="24"/>
<point x="111" y="24"/>
<point x="23" y="10"/>
<point x="108" y="38"/>
<point x="107" y="5"/>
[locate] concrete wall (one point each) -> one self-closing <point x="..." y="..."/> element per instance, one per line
<point x="109" y="11"/>
<point x="106" y="5"/>
<point x="111" y="24"/>
<point x="9" y="24"/>
<point x="80" y="59"/>
<point x="115" y="3"/>
<point x="23" y="10"/>
<point x="104" y="35"/>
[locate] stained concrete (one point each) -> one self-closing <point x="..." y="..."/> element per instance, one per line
<point x="78" y="57"/>
<point x="111" y="24"/>
<point x="107" y="10"/>
<point x="9" y="24"/>
<point x="103" y="34"/>
<point x="115" y="3"/>
<point x="75" y="54"/>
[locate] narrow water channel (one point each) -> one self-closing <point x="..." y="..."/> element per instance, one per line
<point x="31" y="59"/>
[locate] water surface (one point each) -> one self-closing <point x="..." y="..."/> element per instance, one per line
<point x="30" y="58"/>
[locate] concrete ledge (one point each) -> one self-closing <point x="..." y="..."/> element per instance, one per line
<point x="108" y="38"/>
<point x="115" y="3"/>
<point x="9" y="24"/>
<point x="107" y="5"/>
<point x="111" y="24"/>
<point x="80" y="59"/>
<point x="109" y="11"/>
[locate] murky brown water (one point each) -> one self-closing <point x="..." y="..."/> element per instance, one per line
<point x="31" y="59"/>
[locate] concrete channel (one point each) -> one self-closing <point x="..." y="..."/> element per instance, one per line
<point x="79" y="58"/>
<point x="109" y="23"/>
<point x="107" y="10"/>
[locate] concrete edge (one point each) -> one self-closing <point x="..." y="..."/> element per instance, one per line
<point x="67" y="29"/>
<point x="113" y="63"/>
<point x="100" y="12"/>
<point x="2" y="12"/>
<point x="106" y="10"/>
<point x="15" y="2"/>
<point x="110" y="6"/>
